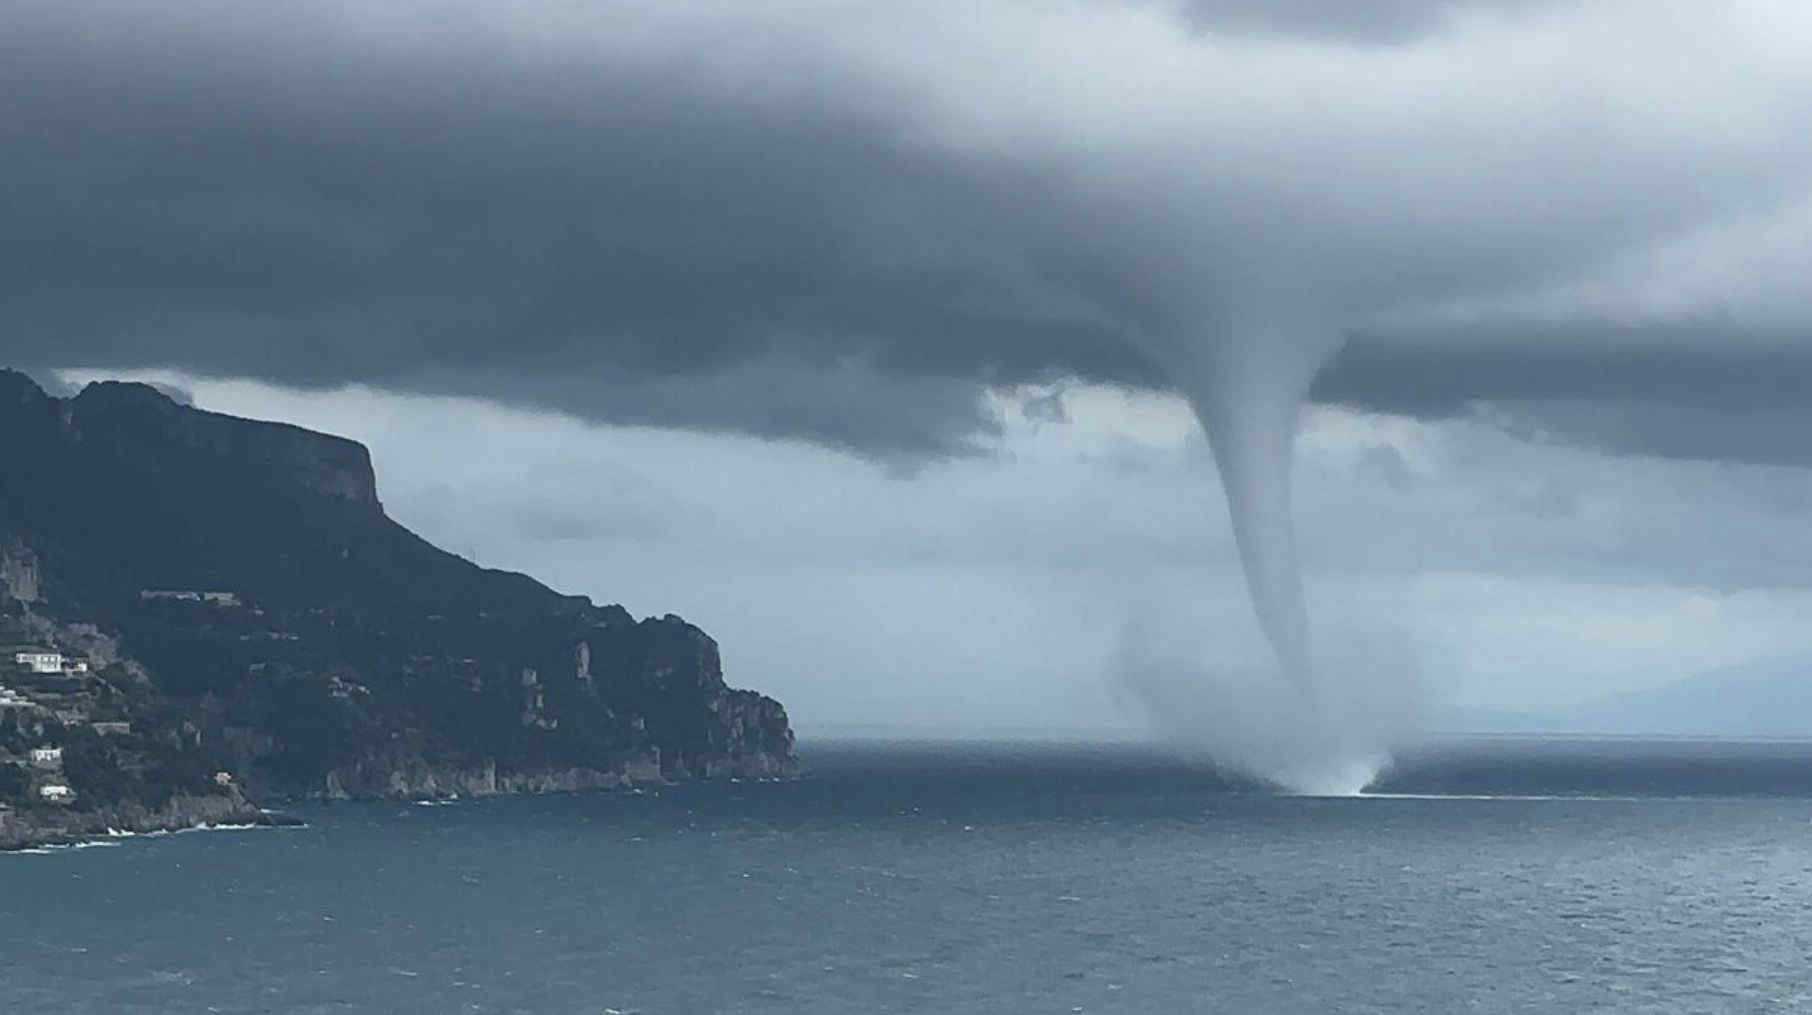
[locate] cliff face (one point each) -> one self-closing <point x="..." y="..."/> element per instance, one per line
<point x="141" y="418"/>
<point x="249" y="608"/>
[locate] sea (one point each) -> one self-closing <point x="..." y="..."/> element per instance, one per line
<point x="1475" y="876"/>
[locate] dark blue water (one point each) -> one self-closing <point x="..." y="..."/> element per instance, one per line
<point x="986" y="880"/>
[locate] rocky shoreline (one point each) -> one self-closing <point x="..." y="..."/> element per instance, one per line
<point x="414" y="779"/>
<point x="37" y="827"/>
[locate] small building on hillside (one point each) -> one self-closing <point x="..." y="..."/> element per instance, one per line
<point x="56" y="793"/>
<point x="111" y="729"/>
<point x="41" y="662"/>
<point x="213" y="598"/>
<point x="47" y="757"/>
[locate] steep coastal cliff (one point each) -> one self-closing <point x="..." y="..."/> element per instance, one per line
<point x="236" y="619"/>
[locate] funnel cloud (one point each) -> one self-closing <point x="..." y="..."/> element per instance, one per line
<point x="1247" y="388"/>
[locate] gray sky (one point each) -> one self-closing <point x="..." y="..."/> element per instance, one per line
<point x="761" y="307"/>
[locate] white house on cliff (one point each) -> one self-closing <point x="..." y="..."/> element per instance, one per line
<point x="40" y="662"/>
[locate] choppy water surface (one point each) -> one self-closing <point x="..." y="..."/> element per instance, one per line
<point x="990" y="880"/>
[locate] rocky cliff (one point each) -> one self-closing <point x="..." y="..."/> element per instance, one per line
<point x="249" y="608"/>
<point x="41" y="826"/>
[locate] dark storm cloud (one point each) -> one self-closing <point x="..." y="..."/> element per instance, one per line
<point x="614" y="242"/>
<point x="1433" y="380"/>
<point x="898" y="417"/>
<point x="841" y="224"/>
<point x="1372" y="22"/>
<point x="1619" y="390"/>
